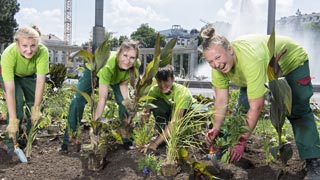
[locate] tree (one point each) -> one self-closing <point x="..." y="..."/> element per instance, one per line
<point x="147" y="36"/>
<point x="9" y="25"/>
<point x="114" y="42"/>
<point x="122" y="38"/>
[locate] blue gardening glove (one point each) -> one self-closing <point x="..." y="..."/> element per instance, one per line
<point x="211" y="135"/>
<point x="238" y="150"/>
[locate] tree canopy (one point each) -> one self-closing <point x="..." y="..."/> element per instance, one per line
<point x="8" y="23"/>
<point x="147" y="36"/>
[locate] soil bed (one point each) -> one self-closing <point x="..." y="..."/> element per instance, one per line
<point x="47" y="163"/>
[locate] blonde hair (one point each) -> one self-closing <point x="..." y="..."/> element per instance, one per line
<point x="129" y="44"/>
<point x="126" y="45"/>
<point x="27" y="32"/>
<point x="210" y="37"/>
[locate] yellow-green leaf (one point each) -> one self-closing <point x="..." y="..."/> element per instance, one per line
<point x="84" y="94"/>
<point x="86" y="55"/>
<point x="101" y="55"/>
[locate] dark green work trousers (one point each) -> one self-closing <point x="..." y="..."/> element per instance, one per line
<point x="162" y="113"/>
<point x="78" y="104"/>
<point x="24" y="95"/>
<point x="301" y="118"/>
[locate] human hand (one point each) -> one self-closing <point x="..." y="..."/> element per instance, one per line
<point x="145" y="115"/>
<point x="128" y="104"/>
<point x="94" y="139"/>
<point x="238" y="150"/>
<point x="13" y="128"/>
<point x="152" y="146"/>
<point x="35" y="114"/>
<point x="211" y="135"/>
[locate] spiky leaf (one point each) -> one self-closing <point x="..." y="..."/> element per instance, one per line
<point x="286" y="152"/>
<point x="166" y="53"/>
<point x="281" y="102"/>
<point x="86" y="55"/>
<point x="101" y="55"/>
<point x="84" y="94"/>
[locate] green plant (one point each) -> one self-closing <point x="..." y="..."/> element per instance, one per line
<point x="141" y="88"/>
<point x="182" y="131"/>
<point x="234" y="126"/>
<point x="150" y="162"/>
<point x="142" y="133"/>
<point x="57" y="75"/>
<point x="30" y="138"/>
<point x="162" y="57"/>
<point x="281" y="101"/>
<point x="280" y="107"/>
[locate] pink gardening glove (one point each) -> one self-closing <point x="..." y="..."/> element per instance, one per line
<point x="238" y="150"/>
<point x="211" y="135"/>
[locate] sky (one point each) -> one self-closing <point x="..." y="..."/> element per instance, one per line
<point x="122" y="17"/>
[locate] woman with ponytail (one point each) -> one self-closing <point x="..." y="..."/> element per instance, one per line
<point x="244" y="62"/>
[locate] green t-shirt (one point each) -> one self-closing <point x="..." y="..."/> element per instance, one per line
<point x="253" y="57"/>
<point x="12" y="63"/>
<point x="180" y="95"/>
<point x="111" y="73"/>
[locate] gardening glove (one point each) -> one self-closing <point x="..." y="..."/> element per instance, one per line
<point x="129" y="105"/>
<point x="35" y="114"/>
<point x="145" y="116"/>
<point x="93" y="138"/>
<point x="238" y="150"/>
<point x="211" y="135"/>
<point x="152" y="146"/>
<point x="13" y="128"/>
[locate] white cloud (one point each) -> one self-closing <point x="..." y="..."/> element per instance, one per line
<point x="127" y="17"/>
<point x="48" y="21"/>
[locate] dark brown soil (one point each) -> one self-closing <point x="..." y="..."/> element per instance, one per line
<point x="47" y="163"/>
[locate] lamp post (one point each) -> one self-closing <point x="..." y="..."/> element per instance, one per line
<point x="271" y="15"/>
<point x="98" y="29"/>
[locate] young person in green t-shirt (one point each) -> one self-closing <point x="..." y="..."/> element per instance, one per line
<point x="24" y="65"/>
<point x="168" y="95"/>
<point x="244" y="62"/>
<point x="120" y="68"/>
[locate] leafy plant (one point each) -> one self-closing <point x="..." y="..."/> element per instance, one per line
<point x="57" y="75"/>
<point x="142" y="133"/>
<point x="96" y="60"/>
<point x="234" y="126"/>
<point x="148" y="163"/>
<point x="281" y="100"/>
<point x="280" y="107"/>
<point x="144" y="83"/>
<point x="30" y="138"/>
<point x="182" y="131"/>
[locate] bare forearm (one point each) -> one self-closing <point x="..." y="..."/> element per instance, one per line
<point x="100" y="108"/>
<point x="219" y="115"/>
<point x="10" y="99"/>
<point x="103" y="94"/>
<point x="220" y="107"/>
<point x="253" y="114"/>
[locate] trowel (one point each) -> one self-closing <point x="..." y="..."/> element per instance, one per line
<point x="20" y="153"/>
<point x="214" y="157"/>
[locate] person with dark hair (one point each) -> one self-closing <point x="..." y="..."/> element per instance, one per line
<point x="24" y="65"/>
<point x="244" y="62"/>
<point x="168" y="95"/>
<point x="120" y="68"/>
